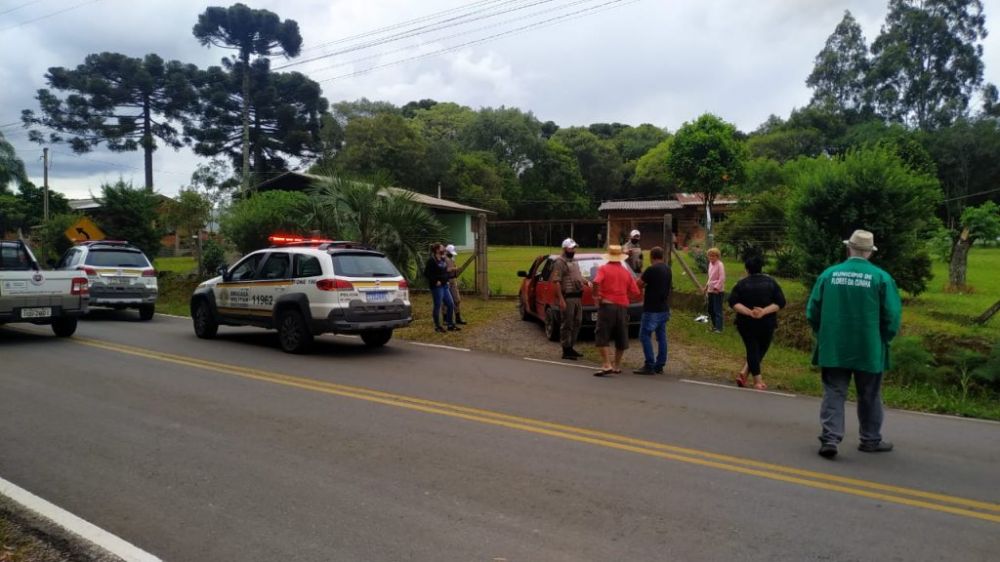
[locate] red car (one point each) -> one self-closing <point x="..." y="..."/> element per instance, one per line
<point x="537" y="298"/>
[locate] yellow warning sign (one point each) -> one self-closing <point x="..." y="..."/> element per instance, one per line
<point x="84" y="230"/>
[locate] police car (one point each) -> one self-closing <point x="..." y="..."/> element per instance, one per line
<point x="120" y="275"/>
<point x="303" y="288"/>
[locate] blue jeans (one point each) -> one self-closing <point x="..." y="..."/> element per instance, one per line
<point x="441" y="295"/>
<point x="654" y="322"/>
<point x="715" y="310"/>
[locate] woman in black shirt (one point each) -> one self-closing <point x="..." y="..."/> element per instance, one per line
<point x="436" y="272"/>
<point x="756" y="299"/>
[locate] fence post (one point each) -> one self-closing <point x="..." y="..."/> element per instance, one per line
<point x="482" y="271"/>
<point x="668" y="237"/>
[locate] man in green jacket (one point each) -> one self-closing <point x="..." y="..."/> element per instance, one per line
<point x="854" y="310"/>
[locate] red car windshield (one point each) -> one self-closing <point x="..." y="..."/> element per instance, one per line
<point x="588" y="267"/>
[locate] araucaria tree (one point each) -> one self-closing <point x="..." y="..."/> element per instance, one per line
<point x="123" y="102"/>
<point x="251" y="33"/>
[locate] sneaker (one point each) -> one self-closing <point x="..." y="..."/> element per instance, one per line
<point x="439" y="329"/>
<point x="568" y="354"/>
<point x="454" y="328"/>
<point x="880" y="447"/>
<point x="461" y="322"/>
<point x="575" y="353"/>
<point x="827" y="450"/>
<point x="658" y="370"/>
<point x="644" y="371"/>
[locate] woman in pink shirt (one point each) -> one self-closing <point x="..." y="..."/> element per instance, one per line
<point x="716" y="288"/>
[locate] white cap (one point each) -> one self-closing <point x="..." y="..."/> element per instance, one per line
<point x="569" y="243"/>
<point x="450" y="248"/>
<point x="634" y="233"/>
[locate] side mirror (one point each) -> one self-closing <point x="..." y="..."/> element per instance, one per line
<point x="224" y="272"/>
<point x="522" y="273"/>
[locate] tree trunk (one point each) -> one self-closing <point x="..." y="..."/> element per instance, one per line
<point x="245" y="184"/>
<point x="147" y="143"/>
<point x="985" y="317"/>
<point x="259" y="167"/>
<point x="959" y="259"/>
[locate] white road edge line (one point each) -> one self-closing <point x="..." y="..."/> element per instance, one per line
<point x="173" y="316"/>
<point x="439" y="346"/>
<point x="727" y="387"/>
<point x="87" y="531"/>
<point x="577" y="365"/>
<point x="945" y="416"/>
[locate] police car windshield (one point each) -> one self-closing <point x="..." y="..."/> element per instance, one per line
<point x="363" y="265"/>
<point x="116" y="258"/>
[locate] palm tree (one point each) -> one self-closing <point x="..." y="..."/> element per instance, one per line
<point x="375" y="215"/>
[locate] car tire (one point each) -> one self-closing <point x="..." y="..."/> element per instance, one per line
<point x="205" y="326"/>
<point x="293" y="334"/>
<point x="552" y="324"/>
<point x="376" y="338"/>
<point x="64" y="327"/>
<point x="146" y="312"/>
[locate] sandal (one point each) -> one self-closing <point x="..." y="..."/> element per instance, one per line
<point x="741" y="380"/>
<point x="604" y="372"/>
<point x="760" y="386"/>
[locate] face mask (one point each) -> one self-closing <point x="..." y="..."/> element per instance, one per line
<point x="635" y="240"/>
<point x="569" y="255"/>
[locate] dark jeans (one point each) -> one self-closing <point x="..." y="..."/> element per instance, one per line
<point x="831" y="414"/>
<point x="756" y="340"/>
<point x="654" y="323"/>
<point x="442" y="295"/>
<point x="715" y="310"/>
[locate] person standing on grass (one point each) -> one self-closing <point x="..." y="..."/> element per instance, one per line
<point x="633" y="251"/>
<point x="614" y="285"/>
<point x="656" y="282"/>
<point x="456" y="296"/>
<point x="854" y="309"/>
<point x="569" y="284"/>
<point x="436" y="272"/>
<point x="715" y="288"/>
<point x="756" y="299"/>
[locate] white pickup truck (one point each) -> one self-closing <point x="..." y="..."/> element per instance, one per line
<point x="28" y="294"/>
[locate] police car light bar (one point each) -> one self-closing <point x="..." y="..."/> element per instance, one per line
<point x="278" y="240"/>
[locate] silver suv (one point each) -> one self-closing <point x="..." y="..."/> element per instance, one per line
<point x="120" y="275"/>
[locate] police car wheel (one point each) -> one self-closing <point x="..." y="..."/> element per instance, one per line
<point x="147" y="311"/>
<point x="293" y="334"/>
<point x="205" y="326"/>
<point x="376" y="338"/>
<point x="64" y="327"/>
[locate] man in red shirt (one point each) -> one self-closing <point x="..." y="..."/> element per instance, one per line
<point x="614" y="285"/>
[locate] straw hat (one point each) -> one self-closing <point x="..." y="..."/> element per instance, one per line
<point x="861" y="240"/>
<point x="615" y="253"/>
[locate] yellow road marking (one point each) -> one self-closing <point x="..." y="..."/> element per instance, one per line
<point x="808" y="478"/>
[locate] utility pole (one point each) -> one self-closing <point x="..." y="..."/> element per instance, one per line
<point x="45" y="184"/>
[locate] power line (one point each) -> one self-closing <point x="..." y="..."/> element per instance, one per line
<point x="452" y="36"/>
<point x="50" y="14"/>
<point x="987" y="192"/>
<point x="411" y="33"/>
<point x="551" y="21"/>
<point x="15" y="8"/>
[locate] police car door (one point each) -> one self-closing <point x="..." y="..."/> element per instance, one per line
<point x="232" y="297"/>
<point x="273" y="280"/>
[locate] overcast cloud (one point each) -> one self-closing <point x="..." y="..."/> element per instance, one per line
<point x="649" y="61"/>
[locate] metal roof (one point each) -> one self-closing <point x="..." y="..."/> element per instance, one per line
<point x="651" y="205"/>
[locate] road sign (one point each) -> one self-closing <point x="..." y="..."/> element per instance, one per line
<point x="83" y="230"/>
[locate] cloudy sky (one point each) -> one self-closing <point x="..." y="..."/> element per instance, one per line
<point x="577" y="62"/>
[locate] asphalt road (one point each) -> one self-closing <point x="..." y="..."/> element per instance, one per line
<point x="233" y="450"/>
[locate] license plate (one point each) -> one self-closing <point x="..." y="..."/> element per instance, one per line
<point x="593" y="317"/>
<point x="377" y="296"/>
<point x="36" y="312"/>
<point x="120" y="281"/>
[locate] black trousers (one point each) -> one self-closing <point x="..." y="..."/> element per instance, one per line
<point x="756" y="340"/>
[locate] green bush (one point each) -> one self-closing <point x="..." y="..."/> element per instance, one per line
<point x="212" y="257"/>
<point x="699" y="257"/>
<point x="911" y="362"/>
<point x="787" y="264"/>
<point x="248" y="223"/>
<point x="131" y="213"/>
<point x="988" y="374"/>
<point x="50" y="238"/>
<point x="869" y="188"/>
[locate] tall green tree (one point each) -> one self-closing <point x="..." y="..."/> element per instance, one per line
<point x="838" y="77"/>
<point x="129" y="213"/>
<point x="285" y="112"/>
<point x="11" y="166"/>
<point x="707" y="157"/>
<point x="553" y="186"/>
<point x="477" y="179"/>
<point x="634" y="142"/>
<point x="515" y="137"/>
<point x="870" y="188"/>
<point x="386" y="144"/>
<point x="927" y="61"/>
<point x="652" y="176"/>
<point x="977" y="223"/>
<point x="123" y="102"/>
<point x="252" y="33"/>
<point x="599" y="161"/>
